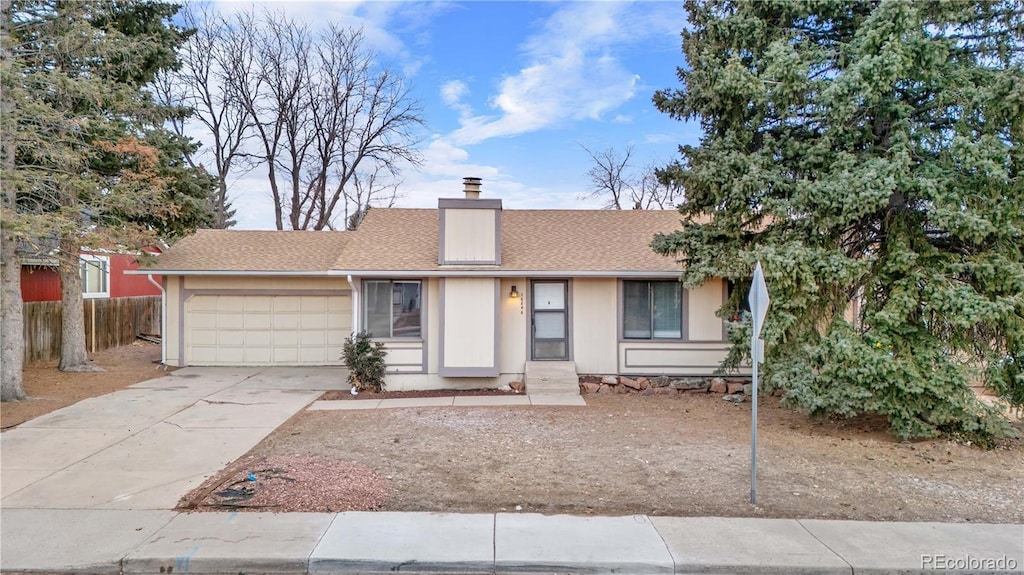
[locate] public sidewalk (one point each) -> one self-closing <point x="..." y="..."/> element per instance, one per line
<point x="143" y="542"/>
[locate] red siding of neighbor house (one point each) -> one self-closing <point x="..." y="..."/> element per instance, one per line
<point x="129" y="286"/>
<point x="41" y="283"/>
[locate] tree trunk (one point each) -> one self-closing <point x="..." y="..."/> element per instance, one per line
<point x="12" y="324"/>
<point x="12" y="319"/>
<point x="222" y="197"/>
<point x="73" y="355"/>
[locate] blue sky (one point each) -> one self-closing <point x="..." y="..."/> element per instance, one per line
<point x="510" y="91"/>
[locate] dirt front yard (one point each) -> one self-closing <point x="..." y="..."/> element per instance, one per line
<point x="49" y="389"/>
<point x="685" y="456"/>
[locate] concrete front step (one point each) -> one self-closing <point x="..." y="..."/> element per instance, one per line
<point x="551" y="377"/>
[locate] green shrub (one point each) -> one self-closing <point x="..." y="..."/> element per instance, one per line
<point x="365" y="360"/>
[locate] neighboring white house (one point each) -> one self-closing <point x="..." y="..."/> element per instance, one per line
<point x="462" y="296"/>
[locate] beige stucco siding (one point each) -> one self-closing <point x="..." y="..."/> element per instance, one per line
<point x="594" y="324"/>
<point x="702" y="303"/>
<point x="433" y="317"/>
<point x="250" y="283"/>
<point x="172" y="323"/>
<point x="468" y="325"/>
<point x="469" y="235"/>
<point x="514" y="319"/>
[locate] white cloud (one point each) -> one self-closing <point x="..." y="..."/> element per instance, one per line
<point x="660" y="138"/>
<point x="572" y="73"/>
<point x="441" y="158"/>
<point x="452" y="93"/>
<point x="377" y="20"/>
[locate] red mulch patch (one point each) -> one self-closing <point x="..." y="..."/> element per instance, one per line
<point x="345" y="394"/>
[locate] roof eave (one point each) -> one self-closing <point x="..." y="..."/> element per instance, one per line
<point x="507" y="273"/>
<point x="166" y="272"/>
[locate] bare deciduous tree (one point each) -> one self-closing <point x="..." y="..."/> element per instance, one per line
<point x="609" y="177"/>
<point x="324" y="113"/>
<point x="613" y="179"/>
<point x="368" y="189"/>
<point x="203" y="83"/>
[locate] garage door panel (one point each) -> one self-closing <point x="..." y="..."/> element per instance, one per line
<point x="230" y="304"/>
<point x="204" y="355"/>
<point x="231" y="338"/>
<point x="204" y="320"/>
<point x="285" y="355"/>
<point x="255" y="303"/>
<point x="313" y="321"/>
<point x="313" y="304"/>
<point x="312" y="338"/>
<point x="339" y="320"/>
<point x="284" y="338"/>
<point x="285" y="322"/>
<point x="313" y="355"/>
<point x="204" y="337"/>
<point x="266" y="329"/>
<point x="231" y="355"/>
<point x="259" y="321"/>
<point x="287" y="303"/>
<point x="258" y="355"/>
<point x="202" y="303"/>
<point x="231" y="321"/>
<point x="257" y="338"/>
<point x="336" y="337"/>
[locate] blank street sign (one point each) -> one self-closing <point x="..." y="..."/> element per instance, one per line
<point x="758" y="299"/>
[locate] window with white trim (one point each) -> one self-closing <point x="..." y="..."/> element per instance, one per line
<point x="95" y="272"/>
<point x="391" y="309"/>
<point x="652" y="309"/>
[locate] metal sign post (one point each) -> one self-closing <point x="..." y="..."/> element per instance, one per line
<point x="758" y="299"/>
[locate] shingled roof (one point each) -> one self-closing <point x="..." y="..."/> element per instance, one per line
<point x="406" y="240"/>
<point x="531" y="240"/>
<point x="255" y="251"/>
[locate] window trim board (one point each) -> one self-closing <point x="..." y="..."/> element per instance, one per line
<point x="105" y="270"/>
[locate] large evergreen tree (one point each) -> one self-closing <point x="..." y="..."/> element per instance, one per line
<point x="86" y="159"/>
<point x="866" y="152"/>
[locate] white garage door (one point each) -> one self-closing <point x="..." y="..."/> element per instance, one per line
<point x="266" y="330"/>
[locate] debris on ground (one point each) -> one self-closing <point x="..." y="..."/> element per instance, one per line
<point x="307" y="483"/>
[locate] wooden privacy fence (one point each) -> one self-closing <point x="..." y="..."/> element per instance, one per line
<point x="108" y="323"/>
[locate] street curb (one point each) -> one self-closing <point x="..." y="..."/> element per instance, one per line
<point x="148" y="542"/>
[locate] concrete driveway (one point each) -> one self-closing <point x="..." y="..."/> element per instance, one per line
<point x="147" y="445"/>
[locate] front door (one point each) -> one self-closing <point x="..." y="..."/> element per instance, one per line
<point x="549" y="318"/>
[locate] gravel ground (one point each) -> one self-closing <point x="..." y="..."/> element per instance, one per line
<point x="268" y="484"/>
<point x="685" y="456"/>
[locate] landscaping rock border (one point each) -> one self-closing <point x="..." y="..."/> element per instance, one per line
<point x="664" y="385"/>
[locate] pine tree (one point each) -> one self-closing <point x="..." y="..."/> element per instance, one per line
<point x="866" y="152"/>
<point x="86" y="163"/>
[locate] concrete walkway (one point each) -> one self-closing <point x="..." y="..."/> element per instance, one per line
<point x="89" y="488"/>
